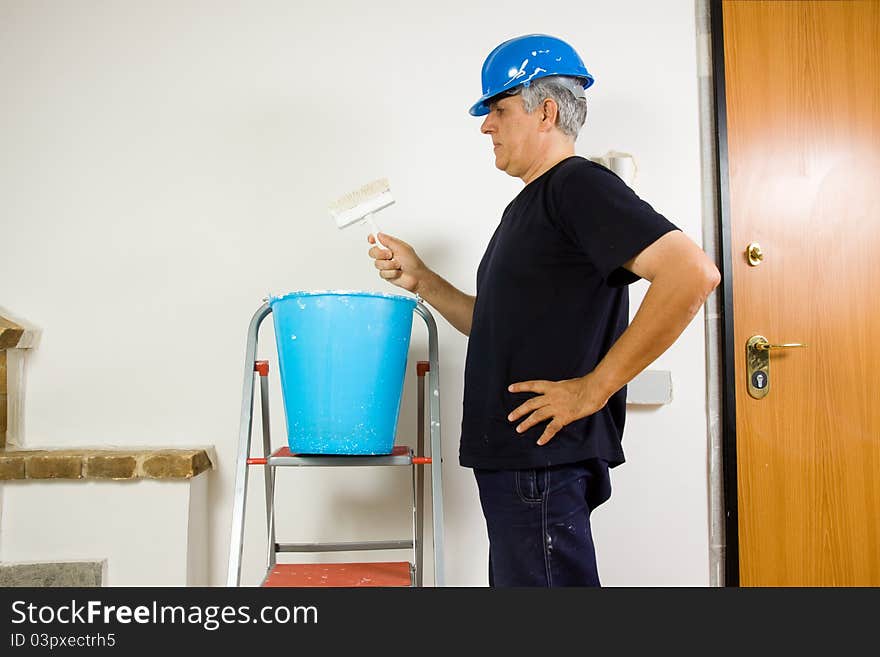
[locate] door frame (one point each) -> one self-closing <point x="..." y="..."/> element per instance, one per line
<point x="725" y="290"/>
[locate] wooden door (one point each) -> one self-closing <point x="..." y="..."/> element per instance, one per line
<point x="802" y="90"/>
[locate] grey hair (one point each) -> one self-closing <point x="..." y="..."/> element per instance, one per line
<point x="567" y="92"/>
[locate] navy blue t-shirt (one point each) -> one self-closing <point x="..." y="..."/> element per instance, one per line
<point x="551" y="301"/>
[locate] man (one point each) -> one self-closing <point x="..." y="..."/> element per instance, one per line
<point x="550" y="352"/>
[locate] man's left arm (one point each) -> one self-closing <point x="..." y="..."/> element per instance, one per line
<point x="681" y="277"/>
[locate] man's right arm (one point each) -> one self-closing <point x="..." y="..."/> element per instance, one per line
<point x="456" y="306"/>
<point x="402" y="267"/>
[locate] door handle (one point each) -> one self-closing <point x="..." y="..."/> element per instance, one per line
<point x="758" y="350"/>
<point x="763" y="345"/>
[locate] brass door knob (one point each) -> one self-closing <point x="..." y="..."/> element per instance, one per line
<point x="754" y="254"/>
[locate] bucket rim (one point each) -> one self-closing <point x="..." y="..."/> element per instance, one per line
<point x="273" y="298"/>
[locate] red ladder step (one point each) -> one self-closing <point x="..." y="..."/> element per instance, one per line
<point x="384" y="573"/>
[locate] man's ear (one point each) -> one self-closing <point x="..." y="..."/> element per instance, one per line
<point x="550" y="113"/>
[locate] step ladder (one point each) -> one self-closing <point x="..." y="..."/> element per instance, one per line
<point x="339" y="574"/>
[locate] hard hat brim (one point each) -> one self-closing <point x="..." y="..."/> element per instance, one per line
<point x="481" y="107"/>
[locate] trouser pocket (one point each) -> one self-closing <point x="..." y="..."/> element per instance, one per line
<point x="531" y="484"/>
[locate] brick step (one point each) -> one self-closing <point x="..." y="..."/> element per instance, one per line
<point x="52" y="573"/>
<point x="104" y="464"/>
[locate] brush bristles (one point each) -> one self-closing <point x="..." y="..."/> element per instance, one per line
<point x="361" y="210"/>
<point x="368" y="192"/>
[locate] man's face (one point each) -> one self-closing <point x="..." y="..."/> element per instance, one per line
<point x="514" y="134"/>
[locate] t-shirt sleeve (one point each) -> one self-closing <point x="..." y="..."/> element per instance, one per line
<point x="606" y="219"/>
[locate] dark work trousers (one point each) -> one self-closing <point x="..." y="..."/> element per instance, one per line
<point x="539" y="523"/>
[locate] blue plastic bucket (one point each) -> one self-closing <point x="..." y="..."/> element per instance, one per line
<point x="342" y="357"/>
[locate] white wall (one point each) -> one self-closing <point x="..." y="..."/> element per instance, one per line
<point x="165" y="165"/>
<point x="151" y="532"/>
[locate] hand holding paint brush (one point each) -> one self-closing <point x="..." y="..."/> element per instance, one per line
<point x="398" y="263"/>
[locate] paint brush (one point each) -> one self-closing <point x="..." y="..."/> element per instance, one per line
<point x="361" y="204"/>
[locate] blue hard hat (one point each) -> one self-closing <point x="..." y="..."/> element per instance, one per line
<point x="520" y="60"/>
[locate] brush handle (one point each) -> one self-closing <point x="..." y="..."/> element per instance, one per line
<point x="375" y="230"/>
